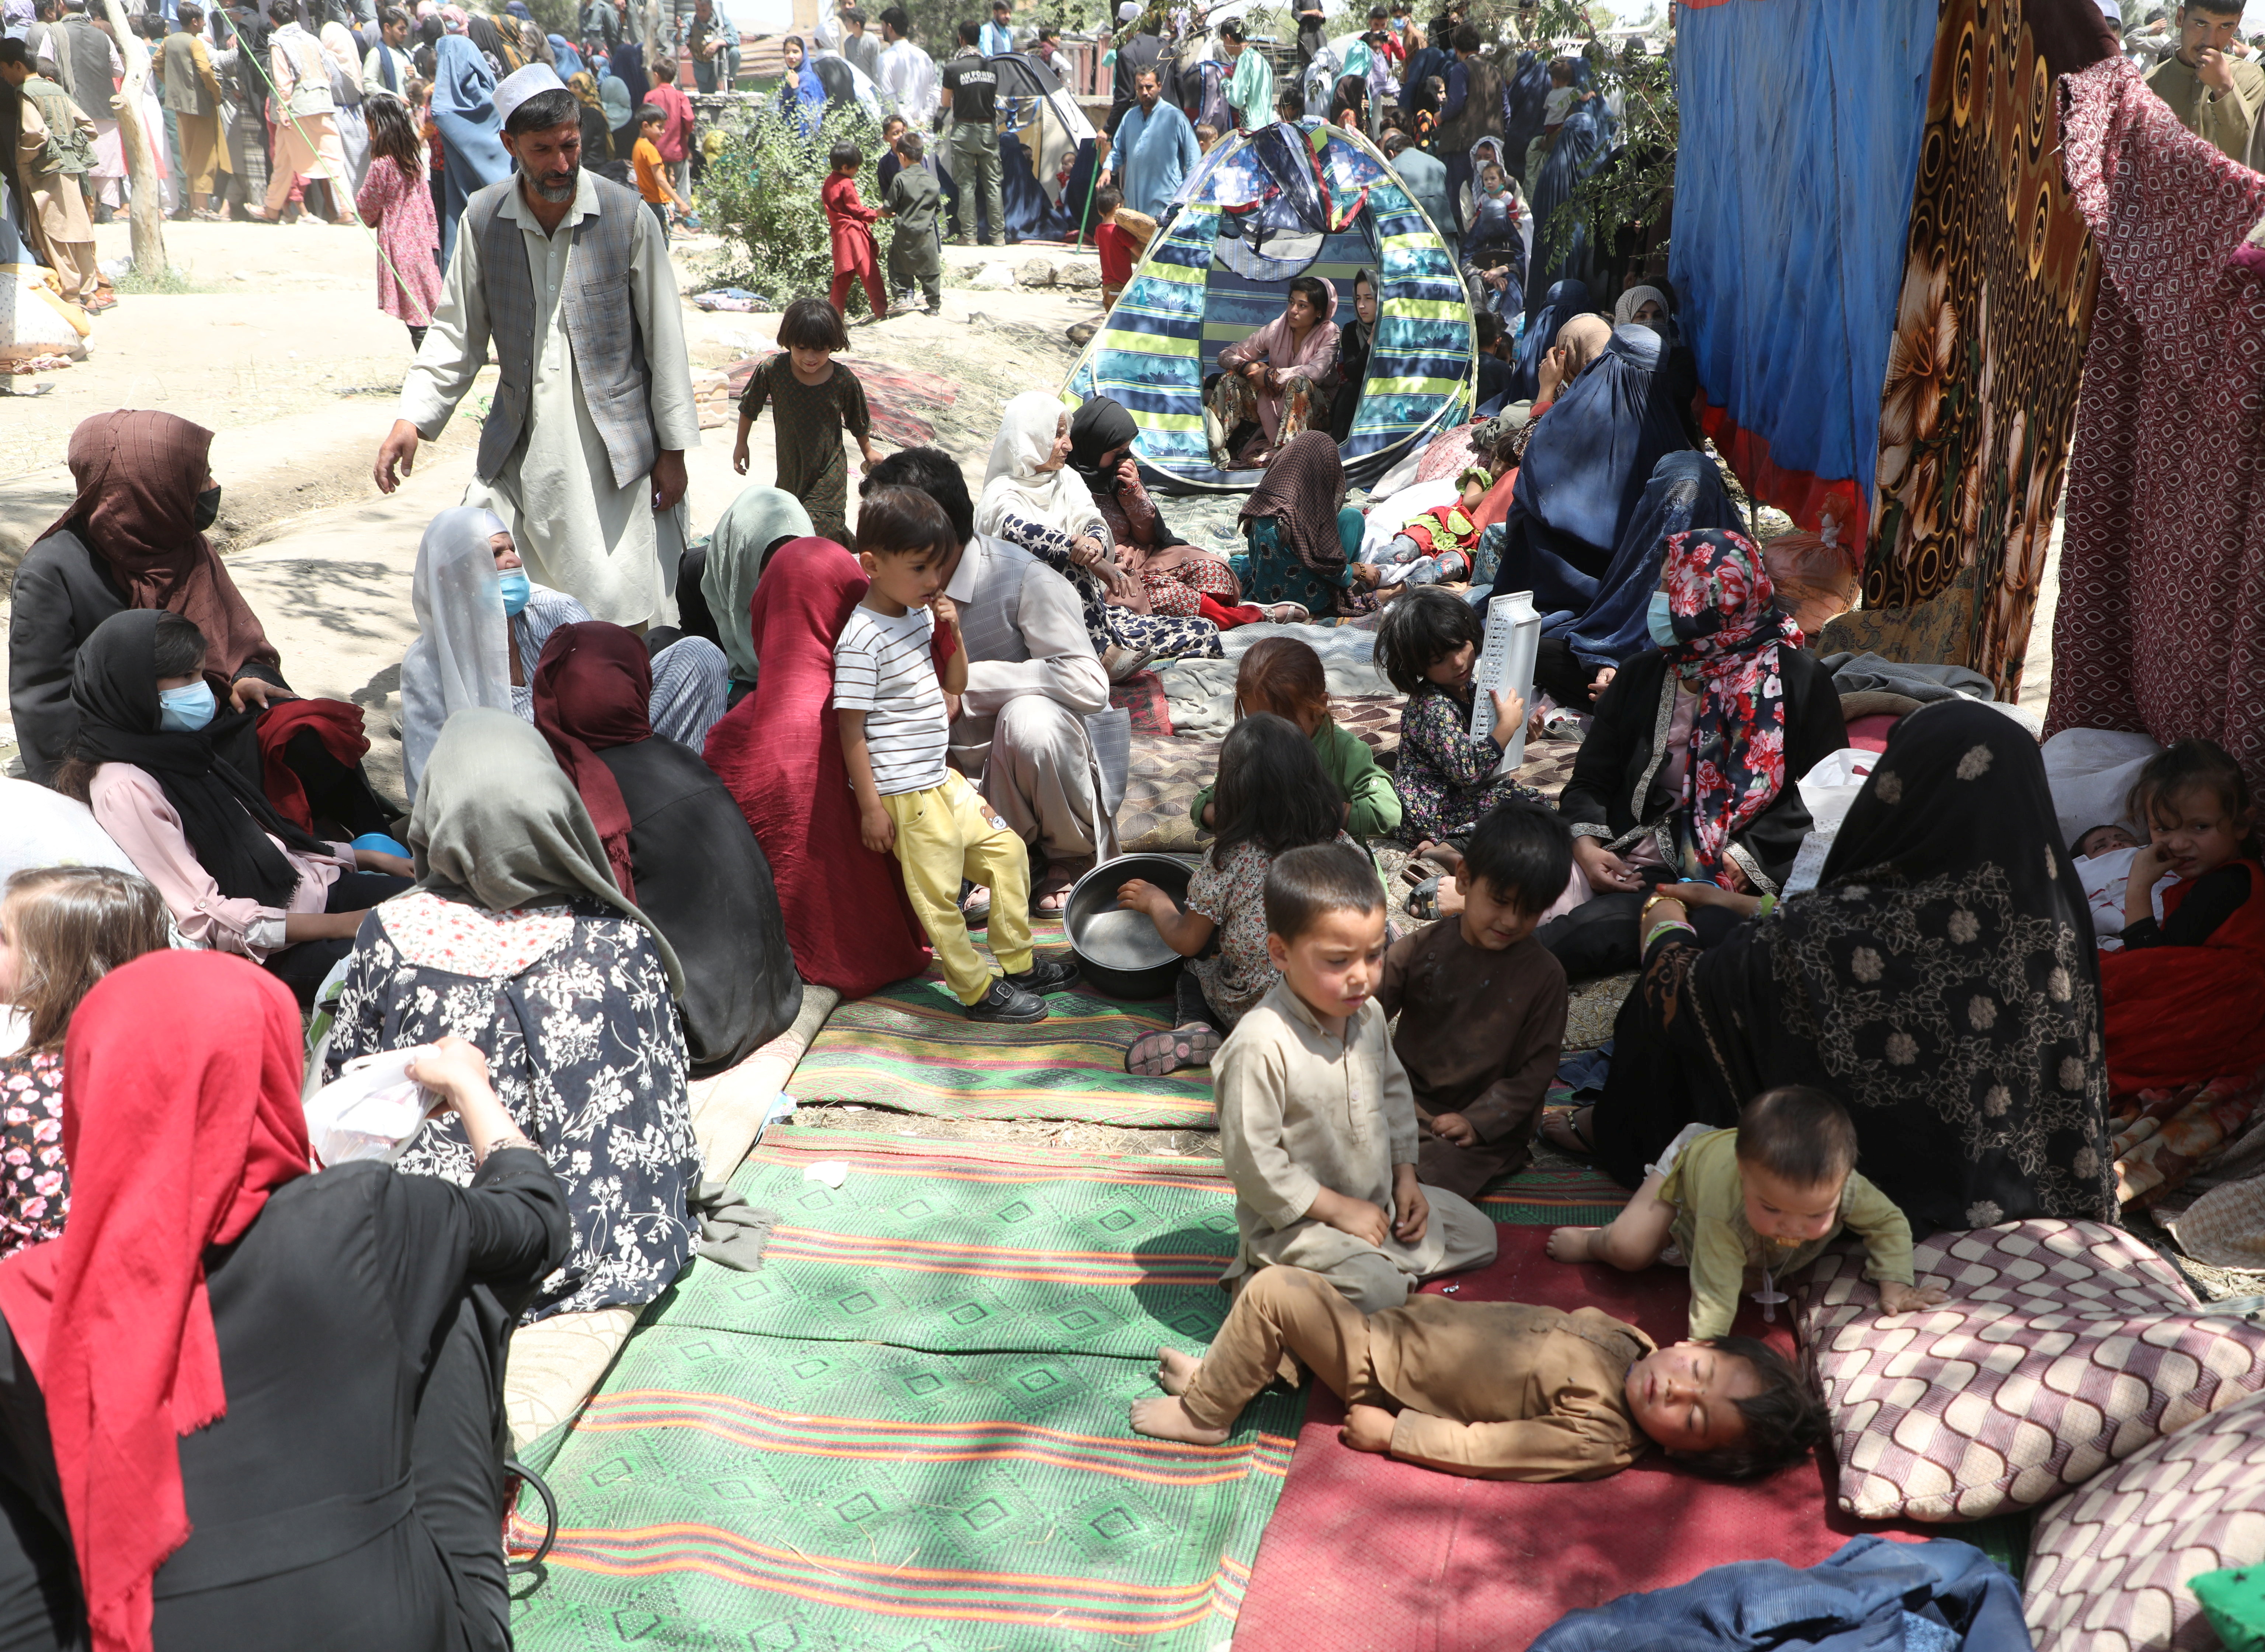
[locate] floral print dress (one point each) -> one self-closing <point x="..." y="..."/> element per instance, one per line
<point x="1444" y="776"/>
<point x="570" y="1005"/>
<point x="36" y="1187"/>
<point x="1166" y="635"/>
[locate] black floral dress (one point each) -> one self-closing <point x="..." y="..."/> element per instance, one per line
<point x="1166" y="635"/>
<point x="570" y="1005"/>
<point x="35" y="1186"/>
<point x="1443" y="775"/>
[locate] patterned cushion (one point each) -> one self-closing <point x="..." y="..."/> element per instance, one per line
<point x="2065" y="1347"/>
<point x="2109" y="1564"/>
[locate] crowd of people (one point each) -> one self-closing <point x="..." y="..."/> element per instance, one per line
<point x="657" y="787"/>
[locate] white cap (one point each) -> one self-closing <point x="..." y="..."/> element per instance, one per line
<point x="1129" y="10"/>
<point x="517" y="87"/>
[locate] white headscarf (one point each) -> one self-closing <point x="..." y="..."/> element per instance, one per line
<point x="1633" y="300"/>
<point x="1013" y="482"/>
<point x="459" y="659"/>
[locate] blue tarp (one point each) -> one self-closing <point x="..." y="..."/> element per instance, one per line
<point x="1801" y="130"/>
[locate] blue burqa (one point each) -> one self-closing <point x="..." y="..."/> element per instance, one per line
<point x="1584" y="473"/>
<point x="1527" y="98"/>
<point x="564" y="57"/>
<point x="1559" y="305"/>
<point x="627" y="61"/>
<point x="1584" y="144"/>
<point x="463" y="107"/>
<point x="1685" y="492"/>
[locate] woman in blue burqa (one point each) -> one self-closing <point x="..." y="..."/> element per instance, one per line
<point x="463" y="107"/>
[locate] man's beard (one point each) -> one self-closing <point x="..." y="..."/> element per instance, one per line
<point x="556" y="193"/>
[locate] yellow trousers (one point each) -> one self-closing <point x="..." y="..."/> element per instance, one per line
<point x="943" y="834"/>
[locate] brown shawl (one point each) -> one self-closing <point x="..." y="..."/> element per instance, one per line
<point x="1303" y="489"/>
<point x="139" y="474"/>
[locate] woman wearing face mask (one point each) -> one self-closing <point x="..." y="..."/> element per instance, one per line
<point x="482" y="625"/>
<point x="1745" y="713"/>
<point x="235" y="873"/>
<point x="134" y="538"/>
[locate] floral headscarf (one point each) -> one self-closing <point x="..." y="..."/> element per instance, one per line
<point x="1728" y="627"/>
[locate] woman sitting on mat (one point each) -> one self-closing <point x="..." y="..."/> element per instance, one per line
<point x="1940" y="981"/>
<point x="258" y="1407"/>
<point x="1271" y="386"/>
<point x="234" y="873"/>
<point x="481" y="627"/>
<point x="676" y="843"/>
<point x="1301" y="536"/>
<point x="518" y="939"/>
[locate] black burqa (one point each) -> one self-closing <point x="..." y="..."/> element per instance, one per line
<point x="1941" y="982"/>
<point x="1584" y="475"/>
<point x="226" y="817"/>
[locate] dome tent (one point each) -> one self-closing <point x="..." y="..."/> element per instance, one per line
<point x="1292" y="199"/>
<point x="1045" y="149"/>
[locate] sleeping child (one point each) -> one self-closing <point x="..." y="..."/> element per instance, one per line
<point x="2184" y="1000"/>
<point x="1434" y="545"/>
<point x="1494" y="1390"/>
<point x="1756" y="1203"/>
<point x="2103" y="860"/>
<point x="1481" y="1004"/>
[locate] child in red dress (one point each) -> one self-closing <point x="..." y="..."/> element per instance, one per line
<point x="851" y="223"/>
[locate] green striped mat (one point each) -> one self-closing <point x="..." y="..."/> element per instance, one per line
<point x="908" y="1428"/>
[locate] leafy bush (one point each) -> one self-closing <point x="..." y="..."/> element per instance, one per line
<point x="761" y="190"/>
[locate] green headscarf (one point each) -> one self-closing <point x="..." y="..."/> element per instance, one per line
<point x="497" y="823"/>
<point x="757" y="519"/>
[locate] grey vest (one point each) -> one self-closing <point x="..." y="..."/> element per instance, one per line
<point x="601" y="325"/>
<point x="185" y="87"/>
<point x="991" y="626"/>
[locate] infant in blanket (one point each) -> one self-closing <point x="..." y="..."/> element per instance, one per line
<point x="2103" y="866"/>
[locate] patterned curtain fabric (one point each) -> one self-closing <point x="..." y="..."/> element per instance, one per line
<point x="1990" y="333"/>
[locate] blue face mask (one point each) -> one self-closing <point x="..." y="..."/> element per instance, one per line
<point x="186" y="710"/>
<point x="1659" y="620"/>
<point x="515" y="591"/>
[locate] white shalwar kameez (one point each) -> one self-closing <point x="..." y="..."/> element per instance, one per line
<point x="575" y="531"/>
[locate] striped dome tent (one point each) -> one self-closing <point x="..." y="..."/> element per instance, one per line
<point x="1297" y="198"/>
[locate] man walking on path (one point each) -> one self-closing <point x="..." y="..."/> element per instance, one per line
<point x="2215" y="95"/>
<point x="55" y="213"/>
<point x="582" y="454"/>
<point x="971" y="101"/>
<point x="193" y="93"/>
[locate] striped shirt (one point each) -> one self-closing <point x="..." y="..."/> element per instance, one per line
<point x="881" y="668"/>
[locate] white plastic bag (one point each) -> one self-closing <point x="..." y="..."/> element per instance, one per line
<point x="371" y="1112"/>
<point x="1830" y="788"/>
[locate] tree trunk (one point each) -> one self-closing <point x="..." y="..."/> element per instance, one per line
<point x="149" y="201"/>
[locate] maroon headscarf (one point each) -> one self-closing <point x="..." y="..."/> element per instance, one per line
<point x="594" y="688"/>
<point x="139" y="474"/>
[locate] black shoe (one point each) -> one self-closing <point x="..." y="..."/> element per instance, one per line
<point x="1007" y="1002"/>
<point x="1044" y="975"/>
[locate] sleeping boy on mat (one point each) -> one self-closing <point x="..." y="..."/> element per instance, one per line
<point x="1754" y="1205"/>
<point x="1494" y="1390"/>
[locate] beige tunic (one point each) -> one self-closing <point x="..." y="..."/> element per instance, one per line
<point x="576" y="531"/>
<point x="1300" y="1109"/>
<point x="61" y="208"/>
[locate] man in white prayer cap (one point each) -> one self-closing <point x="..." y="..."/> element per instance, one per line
<point x="582" y="453"/>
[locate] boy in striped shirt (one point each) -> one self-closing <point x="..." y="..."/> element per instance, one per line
<point x="889" y="704"/>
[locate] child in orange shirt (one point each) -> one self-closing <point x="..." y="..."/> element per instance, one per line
<point x="851" y="221"/>
<point x="653" y="171"/>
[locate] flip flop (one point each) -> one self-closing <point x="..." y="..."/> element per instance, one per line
<point x="1155" y="1054"/>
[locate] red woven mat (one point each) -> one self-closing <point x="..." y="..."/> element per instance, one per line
<point x="1366" y="1552"/>
<point x="1142" y="695"/>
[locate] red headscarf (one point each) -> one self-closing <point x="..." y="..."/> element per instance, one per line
<point x="181" y="1113"/>
<point x="138" y="476"/>
<point x="594" y="688"/>
<point x="778" y="752"/>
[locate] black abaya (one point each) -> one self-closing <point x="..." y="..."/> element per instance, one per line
<point x="353" y="1496"/>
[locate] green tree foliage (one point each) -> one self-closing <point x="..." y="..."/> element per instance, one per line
<point x="763" y="190"/>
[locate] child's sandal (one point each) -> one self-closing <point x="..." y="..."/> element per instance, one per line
<point x="1423" y="900"/>
<point x="1154" y="1055"/>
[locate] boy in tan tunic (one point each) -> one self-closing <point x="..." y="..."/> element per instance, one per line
<point x="1316" y="1120"/>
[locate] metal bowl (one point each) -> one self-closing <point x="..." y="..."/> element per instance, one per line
<point x="1120" y="952"/>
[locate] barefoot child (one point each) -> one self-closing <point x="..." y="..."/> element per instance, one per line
<point x="850" y="222"/>
<point x="1761" y="1201"/>
<point x="815" y="398"/>
<point x="2184" y="1000"/>
<point x="1316" y="1121"/>
<point x="1481" y="1004"/>
<point x="1433" y="546"/>
<point x="890" y="707"/>
<point x="1495" y="1390"/>
<point x="1272" y="798"/>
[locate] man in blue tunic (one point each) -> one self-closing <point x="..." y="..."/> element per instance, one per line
<point x="1155" y="149"/>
